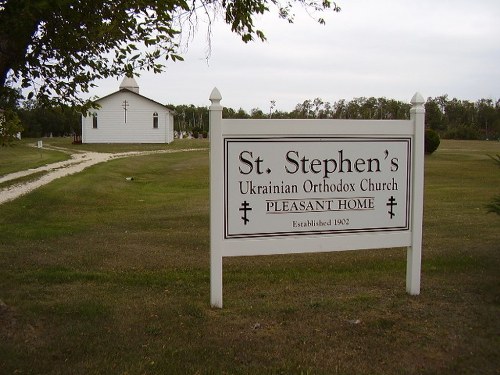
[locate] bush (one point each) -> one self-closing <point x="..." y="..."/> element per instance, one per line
<point x="494" y="205"/>
<point x="432" y="141"/>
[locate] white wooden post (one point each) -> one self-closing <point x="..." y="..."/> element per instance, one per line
<point x="414" y="252"/>
<point x="216" y="198"/>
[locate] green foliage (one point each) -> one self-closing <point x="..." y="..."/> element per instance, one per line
<point x="463" y="119"/>
<point x="463" y="132"/>
<point x="189" y="117"/>
<point x="57" y="121"/>
<point x="10" y="127"/>
<point x="357" y="108"/>
<point x="432" y="141"/>
<point x="433" y="115"/>
<point x="9" y="97"/>
<point x="198" y="132"/>
<point x="56" y="49"/>
<point x="494" y="205"/>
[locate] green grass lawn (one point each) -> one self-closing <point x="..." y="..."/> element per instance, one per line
<point x="100" y="275"/>
<point x="25" y="155"/>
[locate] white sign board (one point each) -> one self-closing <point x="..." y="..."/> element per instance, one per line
<point x="289" y="186"/>
<point x="318" y="185"/>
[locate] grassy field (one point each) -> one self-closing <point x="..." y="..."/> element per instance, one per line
<point x="24" y="155"/>
<point x="100" y="275"/>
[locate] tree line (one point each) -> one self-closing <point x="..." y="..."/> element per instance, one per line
<point x="451" y="118"/>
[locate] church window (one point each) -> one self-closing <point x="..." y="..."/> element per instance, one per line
<point x="94" y="120"/>
<point x="155" y="120"/>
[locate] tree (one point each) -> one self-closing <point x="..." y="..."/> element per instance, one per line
<point x="486" y="116"/>
<point x="257" y="113"/>
<point x="433" y="115"/>
<point x="188" y="118"/>
<point x="340" y="109"/>
<point x="317" y="108"/>
<point x="10" y="126"/>
<point x="304" y="110"/>
<point x="56" y="121"/>
<point x="55" y="49"/>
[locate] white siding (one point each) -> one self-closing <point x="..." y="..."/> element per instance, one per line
<point x="111" y="125"/>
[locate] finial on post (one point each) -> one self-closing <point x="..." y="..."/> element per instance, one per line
<point x="417" y="99"/>
<point x="215" y="98"/>
<point x="417" y="103"/>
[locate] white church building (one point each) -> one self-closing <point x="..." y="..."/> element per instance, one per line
<point x="125" y="116"/>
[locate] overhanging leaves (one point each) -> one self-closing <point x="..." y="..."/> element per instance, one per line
<point x="56" y="49"/>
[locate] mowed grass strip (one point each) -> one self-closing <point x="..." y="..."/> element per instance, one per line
<point x="22" y="180"/>
<point x="100" y="274"/>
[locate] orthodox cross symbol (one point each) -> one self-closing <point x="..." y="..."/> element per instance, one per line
<point x="245" y="206"/>
<point x="391" y="203"/>
<point x="125" y="106"/>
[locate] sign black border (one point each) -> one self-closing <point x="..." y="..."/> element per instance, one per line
<point x="408" y="140"/>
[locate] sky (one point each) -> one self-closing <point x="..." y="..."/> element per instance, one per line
<point x="384" y="48"/>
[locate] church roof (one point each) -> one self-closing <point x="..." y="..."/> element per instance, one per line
<point x="130" y="84"/>
<point x="132" y="92"/>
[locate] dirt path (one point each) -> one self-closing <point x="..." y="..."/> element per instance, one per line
<point x="78" y="162"/>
